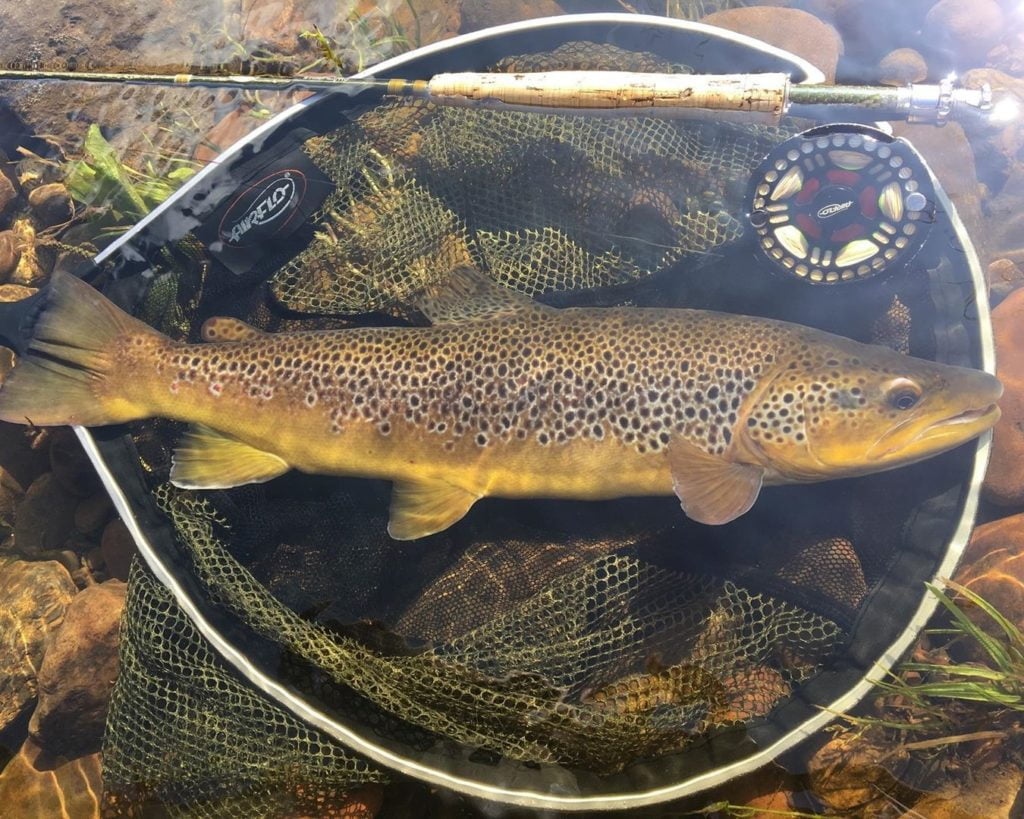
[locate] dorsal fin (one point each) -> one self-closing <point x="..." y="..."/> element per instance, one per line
<point x="467" y="295"/>
<point x="225" y="328"/>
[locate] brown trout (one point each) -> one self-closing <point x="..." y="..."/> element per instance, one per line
<point x="504" y="397"/>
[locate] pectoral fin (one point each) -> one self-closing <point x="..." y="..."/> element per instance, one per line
<point x="710" y="489"/>
<point x="207" y="459"/>
<point x="419" y="509"/>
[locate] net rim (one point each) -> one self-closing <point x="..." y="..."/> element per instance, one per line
<point x="526" y="797"/>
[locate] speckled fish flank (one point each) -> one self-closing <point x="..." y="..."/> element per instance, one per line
<point x="504" y="397"/>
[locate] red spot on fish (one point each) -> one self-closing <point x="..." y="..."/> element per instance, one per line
<point x="216" y="388"/>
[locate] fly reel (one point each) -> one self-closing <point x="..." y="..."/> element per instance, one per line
<point x="841" y="203"/>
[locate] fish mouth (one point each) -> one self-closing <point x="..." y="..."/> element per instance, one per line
<point x="946" y="433"/>
<point x="967" y="416"/>
<point x="981" y="419"/>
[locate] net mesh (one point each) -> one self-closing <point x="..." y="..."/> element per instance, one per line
<point x="547" y="633"/>
<point x="181" y="717"/>
<point x="600" y="201"/>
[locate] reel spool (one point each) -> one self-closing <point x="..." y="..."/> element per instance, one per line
<point x="841" y="203"/>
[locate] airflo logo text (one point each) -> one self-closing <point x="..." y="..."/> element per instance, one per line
<point x="263" y="209"/>
<point x="833" y="209"/>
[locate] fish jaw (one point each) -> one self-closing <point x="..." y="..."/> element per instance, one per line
<point x="942" y="435"/>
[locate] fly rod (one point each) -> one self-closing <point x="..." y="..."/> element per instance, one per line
<point x="768" y="97"/>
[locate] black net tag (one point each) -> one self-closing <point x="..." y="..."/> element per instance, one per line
<point x="268" y="217"/>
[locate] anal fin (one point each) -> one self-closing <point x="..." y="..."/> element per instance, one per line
<point x="710" y="488"/>
<point x="419" y="509"/>
<point x="207" y="459"/>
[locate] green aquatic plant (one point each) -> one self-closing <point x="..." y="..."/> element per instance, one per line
<point x="115" y="194"/>
<point x="682" y="9"/>
<point x="948" y="703"/>
<point x="726" y="808"/>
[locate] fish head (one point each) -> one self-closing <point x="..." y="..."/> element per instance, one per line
<point x="836" y="408"/>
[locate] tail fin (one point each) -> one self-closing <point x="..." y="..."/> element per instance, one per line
<point x="70" y="359"/>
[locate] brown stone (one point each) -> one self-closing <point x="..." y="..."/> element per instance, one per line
<point x="850" y="774"/>
<point x="902" y="66"/>
<point x="92" y="513"/>
<point x="33" y="171"/>
<point x="51" y="204"/>
<point x="9" y="254"/>
<point x="8" y="194"/>
<point x="993" y="567"/>
<point x="235" y="125"/>
<point x="78" y="672"/>
<point x="33" y="599"/>
<point x="1008" y="56"/>
<point x="118" y="549"/>
<point x="793" y="30"/>
<point x="478" y="14"/>
<point x="35" y="785"/>
<point x="1004" y="482"/>
<point x="968" y="28"/>
<point x="1004" y="276"/>
<point x="765" y="792"/>
<point x="45" y="517"/>
<point x="71" y="466"/>
<point x="999" y="536"/>
<point x="992" y="794"/>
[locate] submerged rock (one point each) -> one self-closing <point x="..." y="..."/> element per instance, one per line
<point x="78" y="672"/>
<point x="235" y="125"/>
<point x="1003" y="535"/>
<point x="992" y="794"/>
<point x="45" y="517"/>
<point x="1004" y="482"/>
<point x="9" y="254"/>
<point x="92" y="513"/>
<point x="967" y="28"/>
<point x="478" y="14"/>
<point x="791" y="29"/>
<point x="34" y="597"/>
<point x="1004" y="276"/>
<point x="8" y="194"/>
<point x="71" y="466"/>
<point x="993" y="567"/>
<point x="118" y="549"/>
<point x="51" y="204"/>
<point x="34" y="785"/>
<point x="902" y="66"/>
<point x="849" y="774"/>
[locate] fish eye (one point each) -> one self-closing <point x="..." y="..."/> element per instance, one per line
<point x="903" y="394"/>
